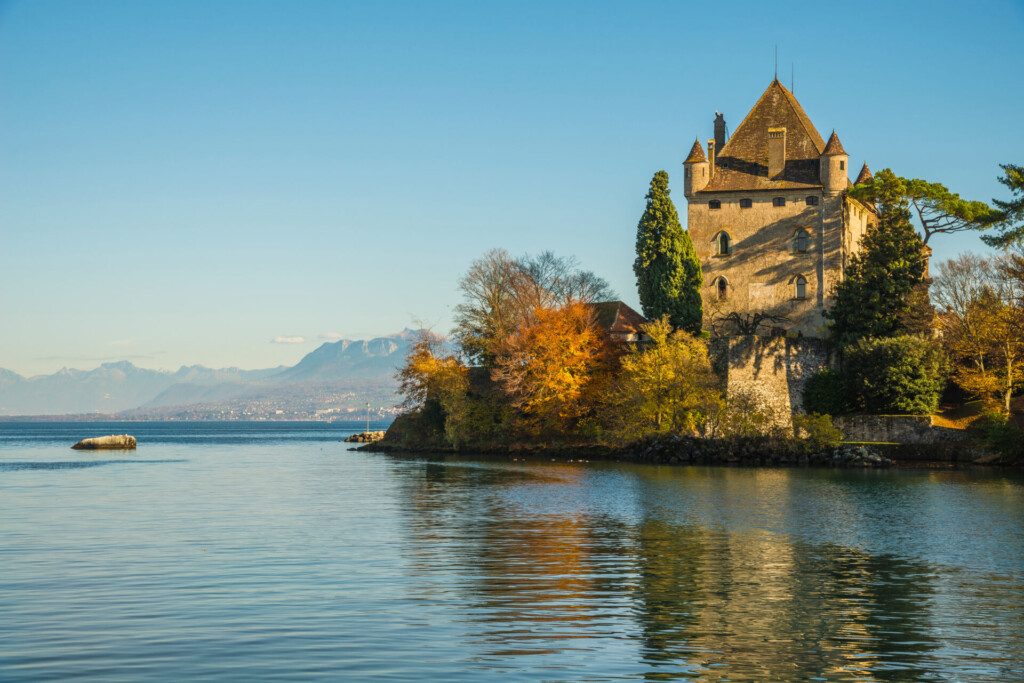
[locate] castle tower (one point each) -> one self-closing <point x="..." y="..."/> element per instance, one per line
<point x="697" y="170"/>
<point x="834" y="178"/>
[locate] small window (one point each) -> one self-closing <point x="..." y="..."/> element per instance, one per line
<point x="802" y="242"/>
<point x="812" y="200"/>
<point x="842" y="165"/>
<point x="746" y="203"/>
<point x="723" y="245"/>
<point x="722" y="288"/>
<point x="779" y="201"/>
<point x="800" y="287"/>
<point x="714" y="204"/>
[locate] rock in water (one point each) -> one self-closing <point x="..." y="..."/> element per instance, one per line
<point x="120" y="442"/>
<point x="364" y="437"/>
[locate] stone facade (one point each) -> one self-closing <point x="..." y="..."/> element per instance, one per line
<point x="770" y="219"/>
<point x="772" y="370"/>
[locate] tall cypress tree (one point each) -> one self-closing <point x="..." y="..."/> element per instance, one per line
<point x="885" y="291"/>
<point x="668" y="273"/>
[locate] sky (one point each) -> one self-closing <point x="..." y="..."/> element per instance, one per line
<point x="233" y="183"/>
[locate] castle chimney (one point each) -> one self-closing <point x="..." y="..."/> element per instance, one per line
<point x="719" y="130"/>
<point x="711" y="158"/>
<point x="776" y="152"/>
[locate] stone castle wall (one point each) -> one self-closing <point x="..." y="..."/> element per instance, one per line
<point x="773" y="370"/>
<point x="764" y="261"/>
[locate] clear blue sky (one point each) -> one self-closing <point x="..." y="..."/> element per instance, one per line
<point x="183" y="182"/>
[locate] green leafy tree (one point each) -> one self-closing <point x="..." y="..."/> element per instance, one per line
<point x="665" y="386"/>
<point x="938" y="210"/>
<point x="904" y="374"/>
<point x="1012" y="229"/>
<point x="667" y="269"/>
<point x="884" y="292"/>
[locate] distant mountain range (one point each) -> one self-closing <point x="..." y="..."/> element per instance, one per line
<point x="335" y="380"/>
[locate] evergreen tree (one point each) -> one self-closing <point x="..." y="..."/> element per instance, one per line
<point x="1012" y="229"/>
<point x="667" y="269"/>
<point x="884" y="293"/>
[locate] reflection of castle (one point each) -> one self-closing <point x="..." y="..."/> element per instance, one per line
<point x="545" y="570"/>
<point x="769" y="215"/>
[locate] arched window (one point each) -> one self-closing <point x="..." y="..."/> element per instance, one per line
<point x="723" y="244"/>
<point x="801" y="241"/>
<point x="722" y="287"/>
<point x="812" y="200"/>
<point x="746" y="203"/>
<point x="778" y="201"/>
<point x="799" y="287"/>
<point x="714" y="204"/>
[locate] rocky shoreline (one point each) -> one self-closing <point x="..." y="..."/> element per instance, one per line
<point x="678" y="450"/>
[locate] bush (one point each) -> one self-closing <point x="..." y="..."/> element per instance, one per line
<point x="902" y="375"/>
<point x="817" y="431"/>
<point x="998" y="432"/>
<point x="825" y="393"/>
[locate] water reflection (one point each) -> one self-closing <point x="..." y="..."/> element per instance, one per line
<point x="687" y="574"/>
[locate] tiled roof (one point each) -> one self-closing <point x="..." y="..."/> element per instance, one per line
<point x="742" y="164"/>
<point x="696" y="154"/>
<point x="864" y="175"/>
<point x="833" y="147"/>
<point x="615" y="317"/>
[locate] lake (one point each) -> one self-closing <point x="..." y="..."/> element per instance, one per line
<point x="246" y="551"/>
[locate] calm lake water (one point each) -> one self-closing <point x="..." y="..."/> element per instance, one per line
<point x="270" y="551"/>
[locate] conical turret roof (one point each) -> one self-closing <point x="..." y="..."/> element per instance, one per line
<point x="864" y="175"/>
<point x="696" y="154"/>
<point x="833" y="146"/>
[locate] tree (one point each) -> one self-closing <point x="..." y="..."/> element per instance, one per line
<point x="884" y="292"/>
<point x="982" y="323"/>
<point x="666" y="386"/>
<point x="551" y="366"/>
<point x="667" y="269"/>
<point x="500" y="293"/>
<point x="1012" y="228"/>
<point x="938" y="210"/>
<point x="904" y="374"/>
<point x="429" y="374"/>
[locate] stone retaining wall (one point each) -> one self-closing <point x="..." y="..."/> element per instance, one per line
<point x="904" y="429"/>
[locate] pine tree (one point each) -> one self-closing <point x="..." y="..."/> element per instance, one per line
<point x="668" y="273"/>
<point x="884" y="293"/>
<point x="1012" y="229"/>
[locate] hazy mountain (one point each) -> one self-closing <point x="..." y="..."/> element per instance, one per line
<point x="346" y="359"/>
<point x="336" y="376"/>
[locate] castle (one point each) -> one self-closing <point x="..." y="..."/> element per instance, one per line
<point x="771" y="221"/>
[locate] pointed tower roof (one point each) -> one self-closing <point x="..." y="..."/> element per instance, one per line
<point x="833" y="146"/>
<point x="696" y="153"/>
<point x="864" y="175"/>
<point x="742" y="164"/>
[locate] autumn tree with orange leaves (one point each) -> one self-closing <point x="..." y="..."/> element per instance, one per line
<point x="554" y="366"/>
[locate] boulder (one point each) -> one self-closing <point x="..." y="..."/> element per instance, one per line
<point x="365" y="437"/>
<point x="118" y="442"/>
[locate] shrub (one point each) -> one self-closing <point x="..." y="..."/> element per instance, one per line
<point x="998" y="432"/>
<point x="903" y="375"/>
<point x="825" y="393"/>
<point x="817" y="431"/>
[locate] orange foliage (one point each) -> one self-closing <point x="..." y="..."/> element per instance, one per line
<point x="553" y="365"/>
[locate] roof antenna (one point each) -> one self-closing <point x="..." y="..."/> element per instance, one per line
<point x="776" y="61"/>
<point x="792" y="80"/>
